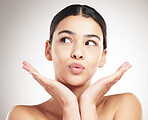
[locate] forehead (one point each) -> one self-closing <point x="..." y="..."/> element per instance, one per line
<point x="79" y="25"/>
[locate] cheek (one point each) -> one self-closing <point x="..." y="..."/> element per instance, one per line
<point x="94" y="56"/>
<point x="59" y="52"/>
<point x="59" y="56"/>
<point x="93" y="59"/>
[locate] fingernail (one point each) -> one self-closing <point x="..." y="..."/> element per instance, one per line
<point x="128" y="67"/>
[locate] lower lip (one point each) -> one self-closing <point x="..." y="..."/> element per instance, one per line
<point x="76" y="70"/>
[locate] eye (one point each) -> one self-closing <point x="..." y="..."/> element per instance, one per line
<point x="92" y="43"/>
<point x="65" y="40"/>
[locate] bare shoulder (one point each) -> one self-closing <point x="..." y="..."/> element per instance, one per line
<point x="126" y="106"/>
<point x="22" y="112"/>
<point x="122" y="98"/>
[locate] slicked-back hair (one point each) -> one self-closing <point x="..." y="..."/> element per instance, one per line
<point x="85" y="11"/>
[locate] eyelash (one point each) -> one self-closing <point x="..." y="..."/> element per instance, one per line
<point x="62" y="40"/>
<point x="91" y="41"/>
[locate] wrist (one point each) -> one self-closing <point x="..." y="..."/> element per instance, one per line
<point x="69" y="102"/>
<point x="87" y="100"/>
<point x="87" y="106"/>
<point x="71" y="111"/>
<point x="88" y="110"/>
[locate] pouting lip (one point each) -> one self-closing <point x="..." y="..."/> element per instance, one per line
<point x="76" y="65"/>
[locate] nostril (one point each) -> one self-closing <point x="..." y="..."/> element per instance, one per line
<point x="80" y="56"/>
<point x="74" y="56"/>
<point x="77" y="57"/>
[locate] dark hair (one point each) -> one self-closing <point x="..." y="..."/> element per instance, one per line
<point x="78" y="9"/>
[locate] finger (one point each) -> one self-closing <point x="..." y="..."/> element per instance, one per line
<point x="27" y="63"/>
<point x="41" y="79"/>
<point x="51" y="86"/>
<point x="120" y="72"/>
<point x="123" y="68"/>
<point x="46" y="83"/>
<point x="103" y="85"/>
<point x="27" y="66"/>
<point x="36" y="75"/>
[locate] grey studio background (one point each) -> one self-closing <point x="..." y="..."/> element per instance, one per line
<point x="24" y="29"/>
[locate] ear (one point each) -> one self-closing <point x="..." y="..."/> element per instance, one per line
<point x="48" y="51"/>
<point x="103" y="58"/>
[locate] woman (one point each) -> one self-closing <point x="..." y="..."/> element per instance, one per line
<point x="77" y="47"/>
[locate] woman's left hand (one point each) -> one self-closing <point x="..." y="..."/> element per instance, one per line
<point x="93" y="95"/>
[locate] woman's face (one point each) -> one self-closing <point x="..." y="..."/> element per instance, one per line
<point x="76" y="50"/>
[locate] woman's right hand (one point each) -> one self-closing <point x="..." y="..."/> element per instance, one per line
<point x="57" y="90"/>
<point x="63" y="95"/>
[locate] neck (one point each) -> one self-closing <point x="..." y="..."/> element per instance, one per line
<point x="55" y="108"/>
<point x="78" y="90"/>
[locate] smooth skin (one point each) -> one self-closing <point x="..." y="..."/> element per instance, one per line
<point x="73" y="96"/>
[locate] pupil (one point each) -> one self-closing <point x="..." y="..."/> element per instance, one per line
<point x="87" y="43"/>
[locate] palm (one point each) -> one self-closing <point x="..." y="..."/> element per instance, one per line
<point x="96" y="91"/>
<point x="54" y="88"/>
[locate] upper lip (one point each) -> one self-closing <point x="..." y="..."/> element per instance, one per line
<point x="76" y="65"/>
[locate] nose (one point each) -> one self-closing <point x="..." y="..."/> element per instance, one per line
<point x="77" y="54"/>
<point x="77" y="57"/>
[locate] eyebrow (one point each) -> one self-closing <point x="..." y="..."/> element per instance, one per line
<point x="72" y="33"/>
<point x="92" y="35"/>
<point x="66" y="31"/>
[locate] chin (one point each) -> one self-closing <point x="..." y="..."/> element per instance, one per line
<point x="75" y="81"/>
<point x="75" y="84"/>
